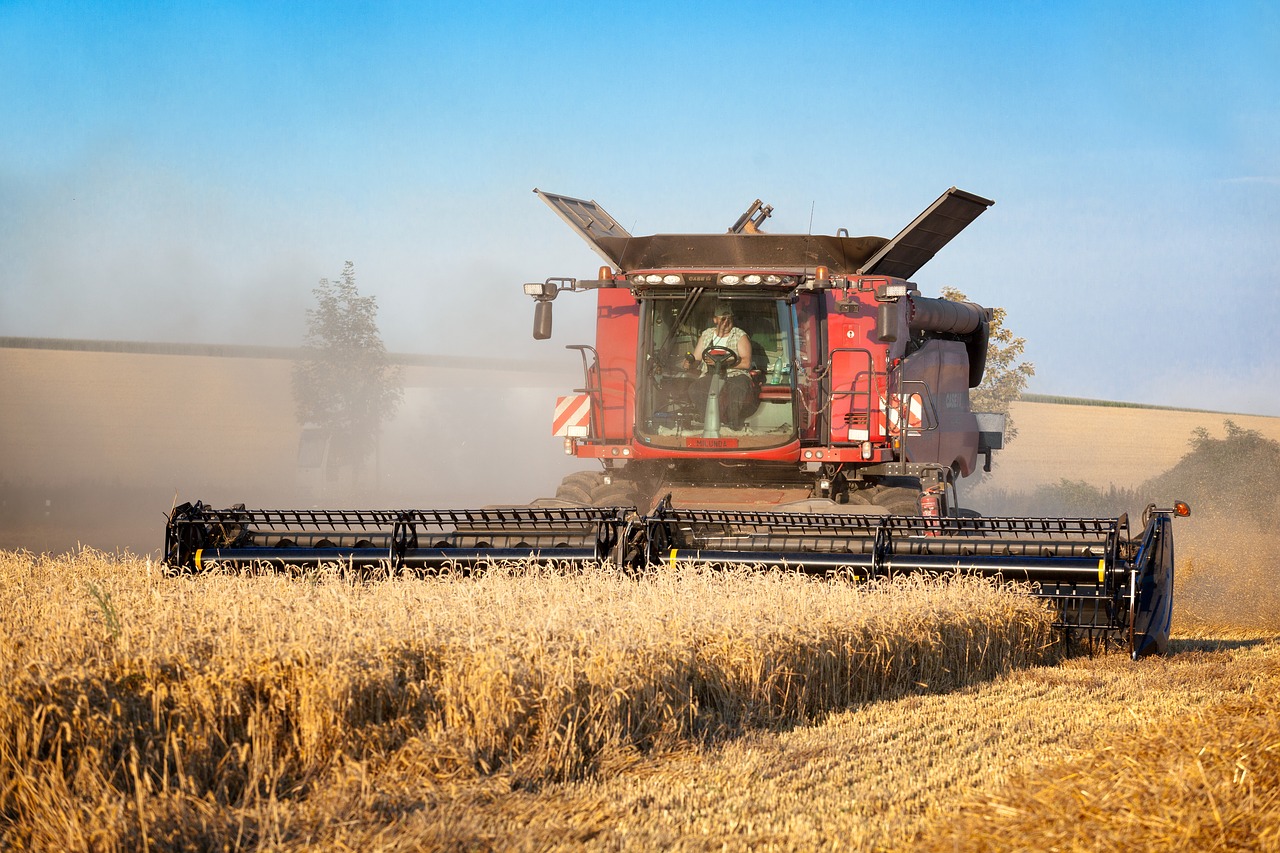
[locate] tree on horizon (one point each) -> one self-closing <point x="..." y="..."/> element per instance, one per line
<point x="1006" y="376"/>
<point x="344" y="384"/>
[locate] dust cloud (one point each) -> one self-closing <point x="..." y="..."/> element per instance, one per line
<point x="98" y="446"/>
<point x="1226" y="575"/>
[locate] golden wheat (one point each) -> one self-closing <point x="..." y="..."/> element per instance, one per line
<point x="250" y="710"/>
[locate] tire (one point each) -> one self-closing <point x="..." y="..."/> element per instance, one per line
<point x="614" y="494"/>
<point x="590" y="489"/>
<point x="901" y="506"/>
<point x="859" y="497"/>
<point x="573" y="494"/>
<point x="582" y="479"/>
<point x="899" y="495"/>
<point x="579" y="486"/>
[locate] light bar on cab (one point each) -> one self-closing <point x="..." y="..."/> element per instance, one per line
<point x="724" y="279"/>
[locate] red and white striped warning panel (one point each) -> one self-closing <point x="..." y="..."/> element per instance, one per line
<point x="573" y="416"/>
<point x="915" y="413"/>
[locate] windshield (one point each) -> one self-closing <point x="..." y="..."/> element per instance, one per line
<point x="717" y="372"/>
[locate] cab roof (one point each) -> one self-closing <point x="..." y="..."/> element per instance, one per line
<point x="901" y="256"/>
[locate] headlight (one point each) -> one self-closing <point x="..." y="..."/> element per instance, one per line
<point x="540" y="290"/>
<point x="671" y="279"/>
<point x="730" y="279"/>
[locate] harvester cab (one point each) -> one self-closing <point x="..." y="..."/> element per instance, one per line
<point x="754" y="399"/>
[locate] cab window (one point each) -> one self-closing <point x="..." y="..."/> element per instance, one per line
<point x="755" y="399"/>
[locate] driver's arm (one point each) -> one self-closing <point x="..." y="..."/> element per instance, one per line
<point x="703" y="340"/>
<point x="744" y="351"/>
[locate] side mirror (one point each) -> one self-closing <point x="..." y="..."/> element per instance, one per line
<point x="541" y="320"/>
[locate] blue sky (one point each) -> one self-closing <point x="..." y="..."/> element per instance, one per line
<point x="189" y="171"/>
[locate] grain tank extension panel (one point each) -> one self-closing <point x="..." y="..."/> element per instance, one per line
<point x="916" y="244"/>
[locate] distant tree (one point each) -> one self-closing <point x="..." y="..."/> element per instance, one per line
<point x="1006" y="376"/>
<point x="1229" y="477"/>
<point x="344" y="384"/>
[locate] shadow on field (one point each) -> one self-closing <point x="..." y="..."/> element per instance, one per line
<point x="1211" y="644"/>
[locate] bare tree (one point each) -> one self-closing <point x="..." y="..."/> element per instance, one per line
<point x="344" y="384"/>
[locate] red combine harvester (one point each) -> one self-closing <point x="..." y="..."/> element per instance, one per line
<point x="836" y="387"/>
<point x="756" y="399"/>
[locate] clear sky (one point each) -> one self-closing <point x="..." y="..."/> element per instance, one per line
<point x="189" y="171"/>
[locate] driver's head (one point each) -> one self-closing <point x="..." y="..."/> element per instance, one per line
<point x="723" y="316"/>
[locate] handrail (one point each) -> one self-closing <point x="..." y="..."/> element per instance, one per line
<point x="594" y="387"/>
<point x="871" y="376"/>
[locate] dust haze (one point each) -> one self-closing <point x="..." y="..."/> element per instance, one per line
<point x="98" y="445"/>
<point x="1227" y="570"/>
<point x="1225" y="566"/>
<point x="1227" y="557"/>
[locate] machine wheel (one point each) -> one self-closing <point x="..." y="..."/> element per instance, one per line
<point x="859" y="497"/>
<point x="899" y="495"/>
<point x="899" y="501"/>
<point x="589" y="488"/>
<point x="585" y="478"/>
<point x="579" y="486"/>
<point x="614" y="494"/>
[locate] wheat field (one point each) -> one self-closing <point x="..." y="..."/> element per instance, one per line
<point x="242" y="711"/>
<point x="686" y="710"/>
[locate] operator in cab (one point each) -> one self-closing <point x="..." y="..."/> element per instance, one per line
<point x="737" y="393"/>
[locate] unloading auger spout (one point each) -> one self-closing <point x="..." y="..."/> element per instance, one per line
<point x="1103" y="582"/>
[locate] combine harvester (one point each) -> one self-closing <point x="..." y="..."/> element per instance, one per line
<point x="762" y="400"/>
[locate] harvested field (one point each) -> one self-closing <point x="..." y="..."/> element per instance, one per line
<point x="1207" y="778"/>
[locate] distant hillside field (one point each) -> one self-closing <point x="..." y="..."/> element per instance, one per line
<point x="96" y="444"/>
<point x="1104" y="445"/>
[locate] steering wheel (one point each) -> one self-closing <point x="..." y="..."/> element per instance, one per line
<point x="720" y="357"/>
